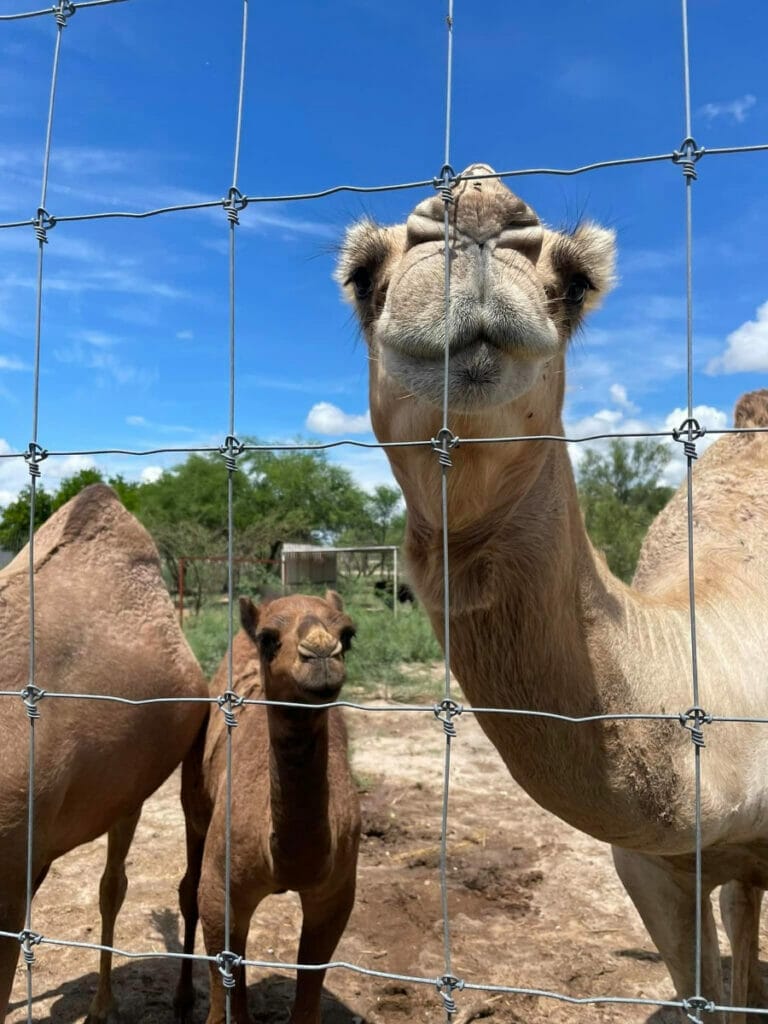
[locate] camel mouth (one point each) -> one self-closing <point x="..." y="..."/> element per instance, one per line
<point x="321" y="693"/>
<point x="481" y="374"/>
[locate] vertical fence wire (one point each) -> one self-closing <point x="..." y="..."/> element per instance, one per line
<point x="235" y="202"/>
<point x="231" y="450"/>
<point x="31" y="694"/>
<point x="447" y="176"/>
<point x="689" y="175"/>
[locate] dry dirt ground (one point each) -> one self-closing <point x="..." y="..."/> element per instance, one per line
<point x="532" y="903"/>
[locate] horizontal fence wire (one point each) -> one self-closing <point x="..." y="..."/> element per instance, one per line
<point x="233" y="204"/>
<point x="673" y="157"/>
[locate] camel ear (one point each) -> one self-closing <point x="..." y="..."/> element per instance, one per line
<point x="597" y="254"/>
<point x="249" y="617"/>
<point x="334" y="600"/>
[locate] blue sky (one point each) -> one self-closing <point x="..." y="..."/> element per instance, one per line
<point x="135" y="322"/>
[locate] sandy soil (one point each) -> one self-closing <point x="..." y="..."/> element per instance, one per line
<point x="532" y="904"/>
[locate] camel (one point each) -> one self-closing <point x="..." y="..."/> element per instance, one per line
<point x="104" y="624"/>
<point x="295" y="809"/>
<point x="537" y="621"/>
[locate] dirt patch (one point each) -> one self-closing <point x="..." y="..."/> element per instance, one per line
<point x="532" y="903"/>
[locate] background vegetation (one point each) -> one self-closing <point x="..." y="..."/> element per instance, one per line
<point x="301" y="497"/>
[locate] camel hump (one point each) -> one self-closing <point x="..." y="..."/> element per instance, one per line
<point x="95" y="513"/>
<point x="752" y="409"/>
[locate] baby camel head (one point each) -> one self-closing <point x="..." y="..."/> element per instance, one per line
<point x="302" y="642"/>
<point x="518" y="291"/>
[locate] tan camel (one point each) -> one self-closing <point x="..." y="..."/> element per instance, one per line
<point x="295" y="810"/>
<point x="104" y="624"/>
<point x="537" y="620"/>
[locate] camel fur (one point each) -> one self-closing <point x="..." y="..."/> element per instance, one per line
<point x="104" y="624"/>
<point x="295" y="809"/>
<point x="537" y="620"/>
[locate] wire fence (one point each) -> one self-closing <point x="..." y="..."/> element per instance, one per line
<point x="688" y="155"/>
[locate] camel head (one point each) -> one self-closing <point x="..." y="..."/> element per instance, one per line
<point x="302" y="642"/>
<point x="518" y="292"/>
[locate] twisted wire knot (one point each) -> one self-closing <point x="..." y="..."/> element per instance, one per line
<point x="43" y="223"/>
<point x="442" y="444"/>
<point x="693" y="719"/>
<point x="32" y="695"/>
<point x="450" y="709"/>
<point x="446" y="986"/>
<point x="230" y="450"/>
<point x="695" y="1005"/>
<point x="228" y="701"/>
<point x="63" y="12"/>
<point x="688" y="432"/>
<point x="687" y="156"/>
<point x="233" y="204"/>
<point x="33" y="457"/>
<point x="226" y="963"/>
<point x="446" y="182"/>
<point x="28" y="939"/>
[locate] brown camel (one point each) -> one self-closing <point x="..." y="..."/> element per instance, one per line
<point x="295" y="810"/>
<point x="537" y="620"/>
<point x="104" y="624"/>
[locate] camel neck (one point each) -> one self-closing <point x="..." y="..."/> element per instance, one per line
<point x="538" y="623"/>
<point x="298" y="784"/>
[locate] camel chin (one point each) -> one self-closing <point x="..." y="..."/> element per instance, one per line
<point x="480" y="377"/>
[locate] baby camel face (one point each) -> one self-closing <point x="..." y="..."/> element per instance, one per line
<point x="302" y="641"/>
<point x="518" y="291"/>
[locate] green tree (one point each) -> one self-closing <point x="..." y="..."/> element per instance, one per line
<point x="620" y="494"/>
<point x="72" y="485"/>
<point x="14" y="522"/>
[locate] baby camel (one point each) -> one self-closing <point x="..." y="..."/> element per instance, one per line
<point x="104" y="625"/>
<point x="537" y="620"/>
<point x="295" y="810"/>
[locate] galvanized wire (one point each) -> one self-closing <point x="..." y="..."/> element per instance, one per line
<point x="232" y="449"/>
<point x="35" y="453"/>
<point x="687" y="156"/>
<point x="673" y="156"/>
<point x="689" y="176"/>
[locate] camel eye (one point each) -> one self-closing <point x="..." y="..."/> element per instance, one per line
<point x="346" y="637"/>
<point x="577" y="289"/>
<point x="269" y="642"/>
<point x="361" y="281"/>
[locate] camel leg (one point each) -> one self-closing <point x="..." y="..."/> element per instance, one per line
<point x="211" y="903"/>
<point x="324" y="920"/>
<point x="112" y="890"/>
<point x="188" y="887"/>
<point x="740" y="909"/>
<point x="665" y="900"/>
<point x="11" y="920"/>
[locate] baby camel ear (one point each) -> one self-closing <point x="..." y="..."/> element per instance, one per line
<point x="249" y="617"/>
<point x="334" y="600"/>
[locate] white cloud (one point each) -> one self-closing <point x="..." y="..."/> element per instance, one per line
<point x="162" y="428"/>
<point x="151" y="473"/>
<point x="737" y="109"/>
<point x="369" y="466"/>
<point x="14" y="473"/>
<point x="263" y="222"/>
<point x="618" y="394"/>
<point x="746" y="347"/>
<point x="614" y="421"/>
<point x="184" y="335"/>
<point x="325" y="418"/>
<point x="7" y="363"/>
<point x="106" y="363"/>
